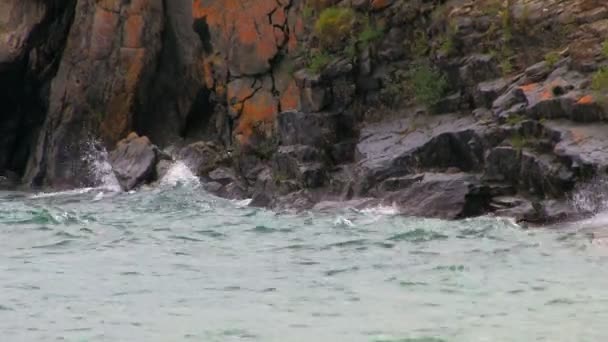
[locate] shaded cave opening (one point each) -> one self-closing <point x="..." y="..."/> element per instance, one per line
<point x="26" y="83"/>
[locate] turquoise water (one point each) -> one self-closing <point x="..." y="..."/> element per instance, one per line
<point x="177" y="264"/>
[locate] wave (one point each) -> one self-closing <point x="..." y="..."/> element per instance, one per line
<point x="180" y="175"/>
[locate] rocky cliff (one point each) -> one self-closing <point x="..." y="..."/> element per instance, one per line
<point x="443" y="108"/>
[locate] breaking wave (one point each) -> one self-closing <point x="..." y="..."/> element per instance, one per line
<point x="179" y="175"/>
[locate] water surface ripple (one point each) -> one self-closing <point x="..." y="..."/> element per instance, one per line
<point x="177" y="264"/>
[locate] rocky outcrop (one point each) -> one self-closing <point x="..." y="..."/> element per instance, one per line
<point x="488" y="107"/>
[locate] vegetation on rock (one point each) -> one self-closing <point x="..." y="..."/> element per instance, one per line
<point x="334" y="26"/>
<point x="427" y="83"/>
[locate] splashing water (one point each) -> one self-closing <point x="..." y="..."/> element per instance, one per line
<point x="153" y="265"/>
<point x="101" y="170"/>
<point x="180" y="175"/>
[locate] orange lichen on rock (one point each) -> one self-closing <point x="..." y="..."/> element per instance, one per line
<point x="587" y="99"/>
<point x="529" y="87"/>
<point x="260" y="109"/>
<point x="290" y="97"/>
<point x="546" y="95"/>
<point x="132" y="31"/>
<point x="243" y="30"/>
<point x="380" y="4"/>
<point x="103" y="32"/>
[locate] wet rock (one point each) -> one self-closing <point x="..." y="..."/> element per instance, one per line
<point x="513" y="97"/>
<point x="213" y="187"/>
<point x="200" y="157"/>
<point x="9" y="180"/>
<point x="487" y="92"/>
<point x="584" y="146"/>
<point x="449" y="104"/>
<point x="313" y="129"/>
<point x="359" y="204"/>
<point x="479" y="68"/>
<point x="539" y="174"/>
<point x="162" y="167"/>
<point x="134" y="161"/>
<point x="393" y="149"/>
<point x="448" y="196"/>
<point x="234" y="190"/>
<point x="537" y="72"/>
<point x="110" y="55"/>
<point x="397" y="183"/>
<point x="301" y="163"/>
<point x="222" y="175"/>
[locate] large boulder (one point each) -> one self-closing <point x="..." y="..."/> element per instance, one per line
<point x="201" y="157"/>
<point x="441" y="195"/>
<point x="400" y="147"/>
<point x="134" y="161"/>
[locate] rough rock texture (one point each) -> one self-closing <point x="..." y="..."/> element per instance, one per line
<point x="259" y="105"/>
<point x="134" y="161"/>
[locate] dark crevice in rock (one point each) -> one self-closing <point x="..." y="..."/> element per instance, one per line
<point x="27" y="84"/>
<point x="201" y="28"/>
<point x="197" y="121"/>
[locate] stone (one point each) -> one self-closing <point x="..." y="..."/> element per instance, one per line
<point x="447" y="196"/>
<point x="392" y="149"/>
<point x="478" y="68"/>
<point x="134" y="161"/>
<point x="314" y="129"/>
<point x="222" y="175"/>
<point x="512" y="97"/>
<point x="200" y="157"/>
<point x="487" y="92"/>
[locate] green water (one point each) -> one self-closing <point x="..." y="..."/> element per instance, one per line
<point x="176" y="264"/>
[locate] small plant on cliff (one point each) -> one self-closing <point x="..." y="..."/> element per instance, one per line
<point x="420" y="44"/>
<point x="518" y="142"/>
<point x="600" y="80"/>
<point x="427" y="84"/>
<point x="552" y="58"/>
<point x="318" y="61"/>
<point x="605" y="48"/>
<point x="334" y="26"/>
<point x="369" y="34"/>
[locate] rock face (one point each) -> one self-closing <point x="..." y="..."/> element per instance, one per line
<point x="259" y="105"/>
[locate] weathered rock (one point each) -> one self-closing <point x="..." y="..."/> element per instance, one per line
<point x="200" y="157"/>
<point x="313" y="129"/>
<point x="162" y="167"/>
<point x="32" y="39"/>
<point x="537" y="174"/>
<point x="479" y="68"/>
<point x="393" y="149"/>
<point x="111" y="52"/>
<point x="222" y="175"/>
<point x="301" y="163"/>
<point x="448" y="196"/>
<point x="134" y="161"/>
<point x="487" y="92"/>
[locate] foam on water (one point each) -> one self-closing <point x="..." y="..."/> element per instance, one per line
<point x="179" y="175"/>
<point x="100" y="169"/>
<point x="72" y="192"/>
<point x="381" y="210"/>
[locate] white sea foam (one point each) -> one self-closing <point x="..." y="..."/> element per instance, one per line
<point x="242" y="203"/>
<point x="381" y="210"/>
<point x="180" y="175"/>
<point x="342" y="221"/>
<point x="72" y="192"/>
<point x="100" y="168"/>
